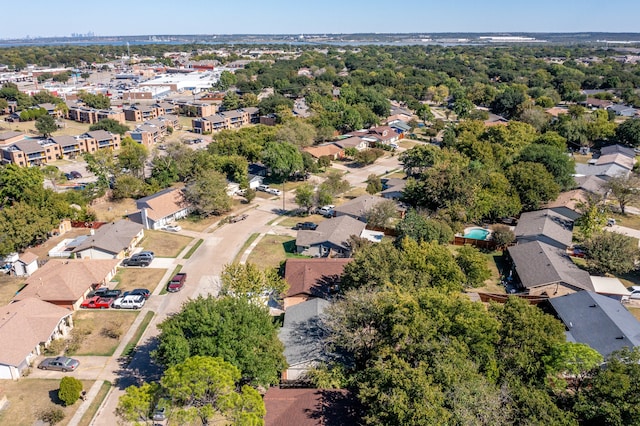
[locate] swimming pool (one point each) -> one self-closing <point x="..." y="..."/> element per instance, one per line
<point x="476" y="233"/>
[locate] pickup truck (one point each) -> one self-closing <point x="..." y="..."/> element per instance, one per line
<point x="105" y="293"/>
<point x="234" y="219"/>
<point x="177" y="282"/>
<point x="96" y="302"/>
<point x="129" y="302"/>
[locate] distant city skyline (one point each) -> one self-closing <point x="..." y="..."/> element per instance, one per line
<point x="61" y="18"/>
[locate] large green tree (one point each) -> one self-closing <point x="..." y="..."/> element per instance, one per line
<point x="628" y="133"/>
<point x="533" y="183"/>
<point x="611" y="252"/>
<point x="207" y="193"/>
<point x="283" y="158"/>
<point x="110" y="125"/>
<point x="132" y="157"/>
<point x="235" y="329"/>
<point x="46" y="125"/>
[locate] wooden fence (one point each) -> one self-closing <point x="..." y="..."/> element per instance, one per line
<point x="502" y="298"/>
<point x="481" y="244"/>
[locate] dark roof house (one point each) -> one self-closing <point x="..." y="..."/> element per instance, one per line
<point x="111" y="241"/>
<point x="546" y="226"/>
<point x="330" y="237"/>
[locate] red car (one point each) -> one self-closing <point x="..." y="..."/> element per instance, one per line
<point x="96" y="302"/>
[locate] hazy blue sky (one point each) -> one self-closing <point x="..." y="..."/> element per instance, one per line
<point x="140" y="17"/>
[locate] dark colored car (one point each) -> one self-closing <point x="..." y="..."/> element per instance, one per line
<point x="177" y="282"/>
<point x="61" y="363"/>
<point x="306" y="225"/>
<point x="105" y="292"/>
<point x="69" y="176"/>
<point x="138" y="292"/>
<point x="137" y="261"/>
<point x="234" y="219"/>
<point x="76" y="175"/>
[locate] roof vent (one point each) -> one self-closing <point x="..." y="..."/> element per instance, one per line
<point x="620" y="338"/>
<point x="593" y="306"/>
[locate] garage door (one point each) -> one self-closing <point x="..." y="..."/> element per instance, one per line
<point x="5" y="372"/>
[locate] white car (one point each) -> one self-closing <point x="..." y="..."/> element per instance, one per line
<point x="129" y="302"/>
<point x="326" y="210"/>
<point x="263" y="188"/>
<point x="394" y="145"/>
<point x="274" y="191"/>
<point x="635" y="292"/>
<point x="173" y="228"/>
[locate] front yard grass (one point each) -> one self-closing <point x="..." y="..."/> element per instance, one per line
<point x="28" y="397"/>
<point x="627" y="220"/>
<point x="245" y="246"/>
<point x="272" y="250"/>
<point x="96" y="343"/>
<point x="130" y="278"/>
<point x="291" y="221"/>
<point x="197" y="224"/>
<point x="9" y="286"/>
<point x="164" y="244"/>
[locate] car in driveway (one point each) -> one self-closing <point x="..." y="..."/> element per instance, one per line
<point x="138" y="292"/>
<point x="140" y="261"/>
<point x="635" y="292"/>
<point x="60" y="363"/>
<point x="263" y="188"/>
<point x="274" y="191"/>
<point x="96" y="302"/>
<point x="326" y="211"/>
<point x="105" y="293"/>
<point x="129" y="302"/>
<point x="75" y="174"/>
<point x="308" y="226"/>
<point x="172" y="228"/>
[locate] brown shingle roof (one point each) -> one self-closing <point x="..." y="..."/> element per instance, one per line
<point x="66" y="280"/>
<point x="163" y="203"/>
<point x="313" y="276"/>
<point x="321" y="150"/>
<point x="24" y="325"/>
<point x="310" y="407"/>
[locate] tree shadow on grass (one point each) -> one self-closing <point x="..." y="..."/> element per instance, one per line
<point x="53" y="396"/>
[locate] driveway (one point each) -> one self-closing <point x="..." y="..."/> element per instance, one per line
<point x="630" y="232"/>
<point x="89" y="369"/>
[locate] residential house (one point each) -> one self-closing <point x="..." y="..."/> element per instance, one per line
<point x="66" y="282"/>
<point x="392" y="188"/>
<point x="330" y="237"/>
<point x="598" y="321"/>
<point x="614" y="160"/>
<point x="26" y="264"/>
<point x="26" y="327"/>
<point x="330" y="150"/>
<point x="541" y="269"/>
<point x="569" y="203"/>
<point x="623" y="110"/>
<point x="358" y="207"/>
<point x="254" y="181"/>
<point x="383" y="134"/>
<point x="311" y="407"/>
<point x="610" y="287"/>
<point x="546" y="226"/>
<point x="597" y="103"/>
<point x="111" y="241"/>
<point x="303" y="334"/>
<point x="400" y="127"/>
<point x="310" y="278"/>
<point x="352" y="142"/>
<point x="161" y="208"/>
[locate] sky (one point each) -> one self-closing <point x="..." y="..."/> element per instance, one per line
<point x="44" y="18"/>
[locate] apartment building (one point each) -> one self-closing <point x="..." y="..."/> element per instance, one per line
<point x="195" y="108"/>
<point x="140" y="113"/>
<point x="83" y="114"/>
<point x="153" y="131"/>
<point x="226" y="120"/>
<point x="31" y="152"/>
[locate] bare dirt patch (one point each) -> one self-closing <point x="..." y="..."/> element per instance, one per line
<point x="27" y="397"/>
<point x="130" y="278"/>
<point x="95" y="324"/>
<point x="164" y="244"/>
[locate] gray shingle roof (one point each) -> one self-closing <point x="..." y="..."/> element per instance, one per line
<point x="545" y="225"/>
<point x="358" y="207"/>
<point x="303" y="332"/>
<point x="540" y="264"/>
<point x="336" y="230"/>
<point x="111" y="237"/>
<point x="598" y="321"/>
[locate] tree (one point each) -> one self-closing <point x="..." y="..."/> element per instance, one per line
<point x="368" y="156"/>
<point x="231" y="101"/>
<point x="374" y="184"/>
<point x="611" y="253"/>
<point x="98" y="101"/>
<point x="127" y="186"/>
<point x="236" y="329"/>
<point x="53" y="175"/>
<point x="204" y="386"/>
<point x="420" y="227"/>
<point x="555" y="160"/>
<point x="628" y="133"/>
<point x="20" y="184"/>
<point x="575" y="360"/>
<point x="474" y="265"/>
<point x="249" y="100"/>
<point x="509" y="102"/>
<point x="46" y="125"/>
<point x="249" y="194"/>
<point x="334" y="184"/>
<point x="102" y="164"/>
<point x="227" y="79"/>
<point x="534" y="184"/>
<point x="207" y="193"/>
<point x="137" y="403"/>
<point x="23" y="225"/>
<point x="250" y="282"/>
<point x="502" y="235"/>
<point x="304" y="196"/>
<point x="283" y="158"/>
<point x="297" y="132"/>
<point x="132" y="157"/>
<point x="379" y="215"/>
<point x="624" y="189"/>
<point x="110" y="125"/>
<point x="593" y="216"/>
<point x="70" y="389"/>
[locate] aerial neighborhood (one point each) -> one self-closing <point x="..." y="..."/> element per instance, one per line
<point x="309" y="234"/>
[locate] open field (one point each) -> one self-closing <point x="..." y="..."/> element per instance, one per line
<point x="130" y="278"/>
<point x="108" y="211"/>
<point x="94" y="322"/>
<point x="9" y="286"/>
<point x="164" y="244"/>
<point x="27" y="397"/>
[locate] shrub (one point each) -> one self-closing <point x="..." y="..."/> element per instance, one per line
<point x="51" y="415"/>
<point x="503" y="235"/>
<point x="56" y="347"/>
<point x="113" y="330"/>
<point x="70" y="389"/>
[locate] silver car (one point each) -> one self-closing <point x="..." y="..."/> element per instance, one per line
<point x="61" y="363"/>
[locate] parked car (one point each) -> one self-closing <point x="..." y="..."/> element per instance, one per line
<point x="147" y="253"/>
<point x="274" y="191"/>
<point x="177" y="282"/>
<point x="234" y="219"/>
<point x="60" y="363"/>
<point x="263" y="188"/>
<point x="76" y="175"/>
<point x="160" y="412"/>
<point x="635" y="292"/>
<point x="138" y="292"/>
<point x="105" y="293"/>
<point x="306" y="226"/>
<point x="326" y="210"/>
<point x="69" y="176"/>
<point x="129" y="302"/>
<point x="140" y="261"/>
<point x="96" y="302"/>
<point x="173" y="228"/>
<point x="394" y="145"/>
<point x="611" y="222"/>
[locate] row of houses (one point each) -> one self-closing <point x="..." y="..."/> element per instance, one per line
<point x="17" y="148"/>
<point x="360" y="140"/>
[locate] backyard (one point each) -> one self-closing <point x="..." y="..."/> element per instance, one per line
<point x="100" y="331"/>
<point x="108" y="211"/>
<point x="9" y="286"/>
<point x="29" y="397"/>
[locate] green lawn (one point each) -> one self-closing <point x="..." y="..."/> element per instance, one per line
<point x="272" y="250"/>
